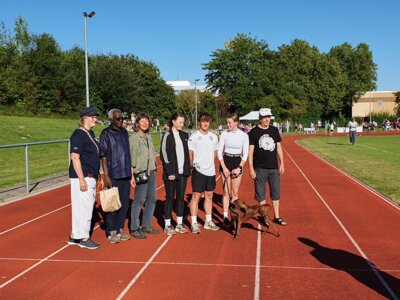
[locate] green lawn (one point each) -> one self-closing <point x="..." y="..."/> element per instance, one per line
<point x="44" y="159"/>
<point x="375" y="160"/>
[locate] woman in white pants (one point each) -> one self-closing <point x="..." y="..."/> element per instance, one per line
<point x="83" y="172"/>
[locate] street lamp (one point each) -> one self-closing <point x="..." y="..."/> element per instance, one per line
<point x="370" y="107"/>
<point x="195" y="99"/>
<point x="85" y="16"/>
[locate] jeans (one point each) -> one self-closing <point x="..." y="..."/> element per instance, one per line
<point x="352" y="135"/>
<point x="115" y="221"/>
<point x="177" y="186"/>
<point x="145" y="193"/>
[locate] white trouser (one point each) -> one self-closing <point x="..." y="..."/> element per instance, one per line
<point x="82" y="207"/>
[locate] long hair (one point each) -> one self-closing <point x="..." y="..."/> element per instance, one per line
<point x="173" y="118"/>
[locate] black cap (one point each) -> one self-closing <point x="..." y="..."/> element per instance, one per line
<point x="88" y="112"/>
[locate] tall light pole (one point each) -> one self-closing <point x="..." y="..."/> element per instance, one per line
<point x="370" y="107"/>
<point x="195" y="99"/>
<point x="85" y="16"/>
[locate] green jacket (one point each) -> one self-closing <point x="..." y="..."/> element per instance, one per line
<point x="143" y="155"/>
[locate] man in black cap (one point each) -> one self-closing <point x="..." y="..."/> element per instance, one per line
<point x="264" y="152"/>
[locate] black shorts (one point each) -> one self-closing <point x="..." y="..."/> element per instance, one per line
<point x="232" y="161"/>
<point x="202" y="183"/>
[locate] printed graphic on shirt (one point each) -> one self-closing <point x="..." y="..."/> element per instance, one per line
<point x="266" y="143"/>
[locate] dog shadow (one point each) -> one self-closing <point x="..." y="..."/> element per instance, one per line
<point x="356" y="266"/>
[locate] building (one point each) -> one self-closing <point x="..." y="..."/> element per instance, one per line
<point x="375" y="102"/>
<point x="182" y="85"/>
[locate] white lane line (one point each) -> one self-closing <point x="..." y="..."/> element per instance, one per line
<point x="32" y="267"/>
<point x="37" y="218"/>
<point x="132" y="262"/>
<point x="257" y="274"/>
<point x="132" y="282"/>
<point x="360" y="251"/>
<point x="388" y="201"/>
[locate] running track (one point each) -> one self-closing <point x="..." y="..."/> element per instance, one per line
<point x="341" y="242"/>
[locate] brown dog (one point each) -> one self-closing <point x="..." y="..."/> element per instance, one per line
<point x="241" y="212"/>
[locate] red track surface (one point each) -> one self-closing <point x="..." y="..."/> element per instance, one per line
<point x="341" y="242"/>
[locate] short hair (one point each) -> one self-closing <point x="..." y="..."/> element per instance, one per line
<point x="233" y="116"/>
<point x="112" y="111"/>
<point x="204" y="117"/>
<point x="139" y="117"/>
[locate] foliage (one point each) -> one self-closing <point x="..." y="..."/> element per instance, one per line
<point x="297" y="81"/>
<point x="36" y="76"/>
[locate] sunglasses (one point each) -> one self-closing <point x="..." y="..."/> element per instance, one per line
<point x="119" y="119"/>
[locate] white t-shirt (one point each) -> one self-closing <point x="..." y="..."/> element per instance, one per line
<point x="234" y="142"/>
<point x="203" y="147"/>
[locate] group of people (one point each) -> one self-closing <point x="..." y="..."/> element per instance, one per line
<point x="124" y="158"/>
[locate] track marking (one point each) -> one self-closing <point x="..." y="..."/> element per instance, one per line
<point x="132" y="282"/>
<point x="257" y="271"/>
<point x="388" y="201"/>
<point x="132" y="262"/>
<point x="37" y="218"/>
<point x="32" y="267"/>
<point x="360" y="251"/>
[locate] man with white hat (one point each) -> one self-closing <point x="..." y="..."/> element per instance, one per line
<point x="266" y="161"/>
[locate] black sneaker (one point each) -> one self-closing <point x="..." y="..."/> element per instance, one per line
<point x="88" y="244"/>
<point x="138" y="234"/>
<point x="150" y="230"/>
<point x="72" y="241"/>
<point x="226" y="223"/>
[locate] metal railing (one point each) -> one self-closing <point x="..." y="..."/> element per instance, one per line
<point x="26" y="145"/>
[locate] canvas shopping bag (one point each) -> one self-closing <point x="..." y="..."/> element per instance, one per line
<point x="109" y="199"/>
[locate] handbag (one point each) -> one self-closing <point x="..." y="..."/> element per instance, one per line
<point x="141" y="177"/>
<point x="109" y="199"/>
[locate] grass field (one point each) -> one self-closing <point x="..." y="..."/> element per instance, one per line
<point x="375" y="160"/>
<point x="44" y="160"/>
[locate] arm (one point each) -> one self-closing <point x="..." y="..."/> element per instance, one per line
<point x="107" y="178"/>
<point x="76" y="163"/>
<point x="221" y="146"/>
<point x="251" y="166"/>
<point x="245" y="155"/>
<point x="280" y="157"/>
<point x="164" y="152"/>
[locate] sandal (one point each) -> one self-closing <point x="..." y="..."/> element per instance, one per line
<point x="280" y="221"/>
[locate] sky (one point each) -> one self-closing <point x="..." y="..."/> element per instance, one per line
<point x="179" y="36"/>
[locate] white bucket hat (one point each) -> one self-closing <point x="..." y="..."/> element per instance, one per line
<point x="265" y="112"/>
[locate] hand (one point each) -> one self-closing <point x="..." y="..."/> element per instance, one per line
<point x="133" y="182"/>
<point x="236" y="172"/>
<point x="281" y="169"/>
<point x="171" y="177"/>
<point x="83" y="185"/>
<point x="226" y="172"/>
<point x="252" y="174"/>
<point x="107" y="181"/>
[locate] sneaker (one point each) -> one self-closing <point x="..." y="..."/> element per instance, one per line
<point x="210" y="225"/>
<point x="226" y="223"/>
<point x="138" y="234"/>
<point x="123" y="236"/>
<point x="72" y="241"/>
<point x="169" y="230"/>
<point x="195" y="228"/>
<point x="180" y="228"/>
<point x="113" y="237"/>
<point x="88" y="244"/>
<point x="149" y="230"/>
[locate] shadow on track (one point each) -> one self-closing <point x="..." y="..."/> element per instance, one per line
<point x="355" y="265"/>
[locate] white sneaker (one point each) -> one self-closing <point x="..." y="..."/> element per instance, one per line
<point x="210" y="225"/>
<point x="169" y="230"/>
<point x="195" y="228"/>
<point x="180" y="228"/>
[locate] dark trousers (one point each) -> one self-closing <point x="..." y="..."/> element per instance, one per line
<point x="175" y="187"/>
<point x="115" y="220"/>
<point x="352" y="135"/>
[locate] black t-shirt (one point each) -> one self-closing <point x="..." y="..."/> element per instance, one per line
<point x="265" y="144"/>
<point x="89" y="155"/>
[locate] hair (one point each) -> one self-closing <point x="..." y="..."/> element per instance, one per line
<point x="173" y="118"/>
<point x="204" y="117"/>
<point x="112" y="111"/>
<point x="139" y="117"/>
<point x="233" y="116"/>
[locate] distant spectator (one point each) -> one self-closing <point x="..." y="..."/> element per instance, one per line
<point x="352" y="130"/>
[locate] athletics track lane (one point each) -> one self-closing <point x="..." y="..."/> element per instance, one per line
<point x="211" y="265"/>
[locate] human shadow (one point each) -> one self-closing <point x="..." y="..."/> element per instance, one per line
<point x="357" y="267"/>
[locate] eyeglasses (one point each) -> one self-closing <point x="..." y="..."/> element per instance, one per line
<point x="119" y="119"/>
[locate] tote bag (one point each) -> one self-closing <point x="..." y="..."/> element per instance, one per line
<point x="109" y="199"/>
